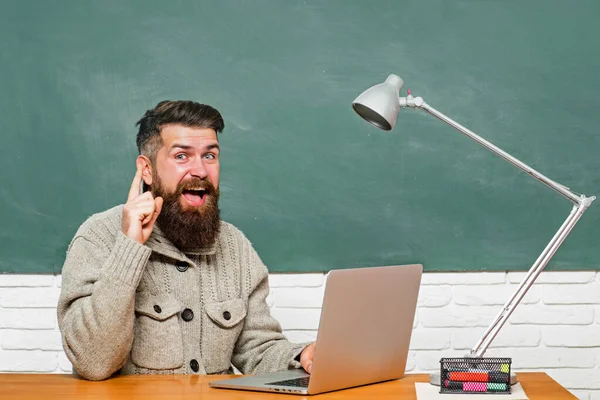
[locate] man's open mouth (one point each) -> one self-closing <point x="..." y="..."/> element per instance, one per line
<point x="195" y="196"/>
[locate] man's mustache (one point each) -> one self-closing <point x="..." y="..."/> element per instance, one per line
<point x="195" y="183"/>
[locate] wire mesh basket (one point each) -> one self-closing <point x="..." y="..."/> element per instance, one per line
<point x="475" y="375"/>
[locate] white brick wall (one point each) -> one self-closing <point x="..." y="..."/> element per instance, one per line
<point x="556" y="329"/>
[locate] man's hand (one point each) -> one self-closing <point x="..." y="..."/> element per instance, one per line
<point x="140" y="211"/>
<point x="306" y="358"/>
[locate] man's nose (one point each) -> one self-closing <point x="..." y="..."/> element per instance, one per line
<point x="198" y="168"/>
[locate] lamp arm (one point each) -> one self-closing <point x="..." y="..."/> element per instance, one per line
<point x="417" y="102"/>
<point x="581" y="203"/>
<point x="488" y="336"/>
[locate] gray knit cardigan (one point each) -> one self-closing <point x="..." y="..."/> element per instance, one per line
<point x="155" y="309"/>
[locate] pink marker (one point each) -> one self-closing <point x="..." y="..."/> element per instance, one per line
<point x="474" y="387"/>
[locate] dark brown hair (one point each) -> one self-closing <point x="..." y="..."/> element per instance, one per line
<point x="182" y="112"/>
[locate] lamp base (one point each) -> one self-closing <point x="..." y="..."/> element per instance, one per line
<point x="434" y="378"/>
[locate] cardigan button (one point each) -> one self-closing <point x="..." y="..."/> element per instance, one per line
<point x="227" y="315"/>
<point x="187" y="315"/>
<point x="194" y="365"/>
<point x="157" y="309"/>
<point x="181" y="266"/>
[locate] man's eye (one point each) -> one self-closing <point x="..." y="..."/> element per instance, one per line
<point x="210" y="156"/>
<point x="181" y="156"/>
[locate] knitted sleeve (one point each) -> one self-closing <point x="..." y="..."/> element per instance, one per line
<point x="96" y="304"/>
<point x="261" y="347"/>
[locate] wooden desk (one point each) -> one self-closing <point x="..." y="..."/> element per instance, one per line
<point x="537" y="385"/>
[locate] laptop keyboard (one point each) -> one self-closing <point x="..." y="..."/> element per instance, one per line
<point x="300" y="382"/>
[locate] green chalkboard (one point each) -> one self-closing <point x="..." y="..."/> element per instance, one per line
<point x="313" y="186"/>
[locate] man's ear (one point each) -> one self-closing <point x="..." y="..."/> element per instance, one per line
<point x="146" y="169"/>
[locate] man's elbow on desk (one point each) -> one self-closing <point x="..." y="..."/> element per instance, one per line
<point x="92" y="366"/>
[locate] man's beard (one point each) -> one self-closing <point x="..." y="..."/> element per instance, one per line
<point x="192" y="228"/>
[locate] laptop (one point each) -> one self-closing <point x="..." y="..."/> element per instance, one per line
<point x="364" y="333"/>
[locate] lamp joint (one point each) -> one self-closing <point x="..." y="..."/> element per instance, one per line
<point x="410" y="101"/>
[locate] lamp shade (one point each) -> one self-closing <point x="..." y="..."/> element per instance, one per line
<point x="379" y="105"/>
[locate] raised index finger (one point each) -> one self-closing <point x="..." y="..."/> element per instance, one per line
<point x="134" y="191"/>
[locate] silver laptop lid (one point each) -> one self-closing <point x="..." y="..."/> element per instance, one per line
<point x="365" y="326"/>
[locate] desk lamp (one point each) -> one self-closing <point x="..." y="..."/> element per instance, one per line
<point x="380" y="104"/>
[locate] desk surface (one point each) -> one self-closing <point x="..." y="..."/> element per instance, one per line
<point x="537" y="385"/>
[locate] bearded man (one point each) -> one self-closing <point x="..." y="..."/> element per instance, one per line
<point x="161" y="285"/>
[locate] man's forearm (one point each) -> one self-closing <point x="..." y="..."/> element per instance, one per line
<point x="96" y="306"/>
